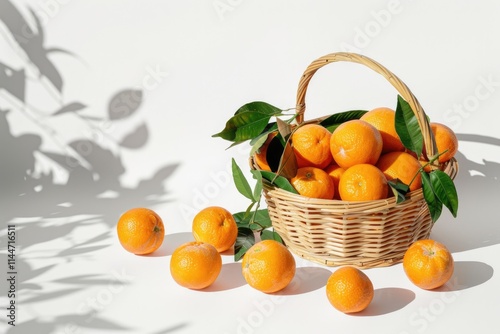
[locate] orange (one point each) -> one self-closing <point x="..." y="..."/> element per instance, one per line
<point x="216" y="226"/>
<point x="313" y="182"/>
<point x="384" y="120"/>
<point x="349" y="290"/>
<point x="268" y="266"/>
<point x="311" y="145"/>
<point x="446" y="140"/>
<point x="140" y="231"/>
<point x="261" y="155"/>
<point x="195" y="265"/>
<point x="355" y="142"/>
<point x="402" y="166"/>
<point x="363" y="182"/>
<point x="335" y="172"/>
<point x="428" y="264"/>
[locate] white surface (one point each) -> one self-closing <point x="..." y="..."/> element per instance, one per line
<point x="196" y="62"/>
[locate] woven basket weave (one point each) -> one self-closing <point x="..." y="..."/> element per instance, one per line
<point x="363" y="234"/>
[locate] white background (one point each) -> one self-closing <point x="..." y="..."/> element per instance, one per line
<point x="196" y="62"/>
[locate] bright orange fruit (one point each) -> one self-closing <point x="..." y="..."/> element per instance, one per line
<point x="140" y="231"/>
<point x="349" y="290"/>
<point x="402" y="166"/>
<point x="195" y="265"/>
<point x="268" y="266"/>
<point x="446" y="140"/>
<point x="384" y="120"/>
<point x="355" y="142"/>
<point x="216" y="226"/>
<point x="335" y="172"/>
<point x="311" y="145"/>
<point x="313" y="182"/>
<point x="363" y="182"/>
<point x="428" y="264"/>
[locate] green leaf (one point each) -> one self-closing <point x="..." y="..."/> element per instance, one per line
<point x="261" y="219"/>
<point x="279" y="181"/>
<point x="248" y="122"/>
<point x="242" y="218"/>
<point x="399" y="189"/>
<point x="407" y="127"/>
<point x="433" y="203"/>
<point x="257" y="144"/>
<point x="241" y="182"/>
<point x="270" y="235"/>
<point x="257" y="191"/>
<point x="445" y="190"/>
<point x="333" y="121"/>
<point x="244" y="241"/>
<point x="271" y="127"/>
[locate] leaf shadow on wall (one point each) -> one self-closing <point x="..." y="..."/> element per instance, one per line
<point x="478" y="186"/>
<point x="45" y="211"/>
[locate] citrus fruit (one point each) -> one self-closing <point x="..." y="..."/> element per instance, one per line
<point x="349" y="289"/>
<point x="402" y="166"/>
<point x="313" y="182"/>
<point x="446" y="140"/>
<point x="355" y="142"/>
<point x="384" y="120"/>
<point x="195" y="265"/>
<point x="140" y="231"/>
<point x="261" y="154"/>
<point x="268" y="266"/>
<point x="428" y="264"/>
<point x="311" y="145"/>
<point x="335" y="172"/>
<point x="216" y="226"/>
<point x="363" y="182"/>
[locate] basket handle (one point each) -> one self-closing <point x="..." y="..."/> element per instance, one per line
<point x="404" y="91"/>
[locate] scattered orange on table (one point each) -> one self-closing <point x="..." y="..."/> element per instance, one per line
<point x="313" y="182"/>
<point x="349" y="289"/>
<point x="268" y="266"/>
<point x="363" y="182"/>
<point x="355" y="142"/>
<point x="216" y="226"/>
<point x="195" y="265"/>
<point x="428" y="264"/>
<point x="311" y="145"/>
<point x="140" y="231"/>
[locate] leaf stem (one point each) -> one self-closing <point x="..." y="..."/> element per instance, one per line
<point x="430" y="162"/>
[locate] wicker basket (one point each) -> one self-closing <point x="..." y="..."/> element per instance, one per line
<point x="362" y="234"/>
